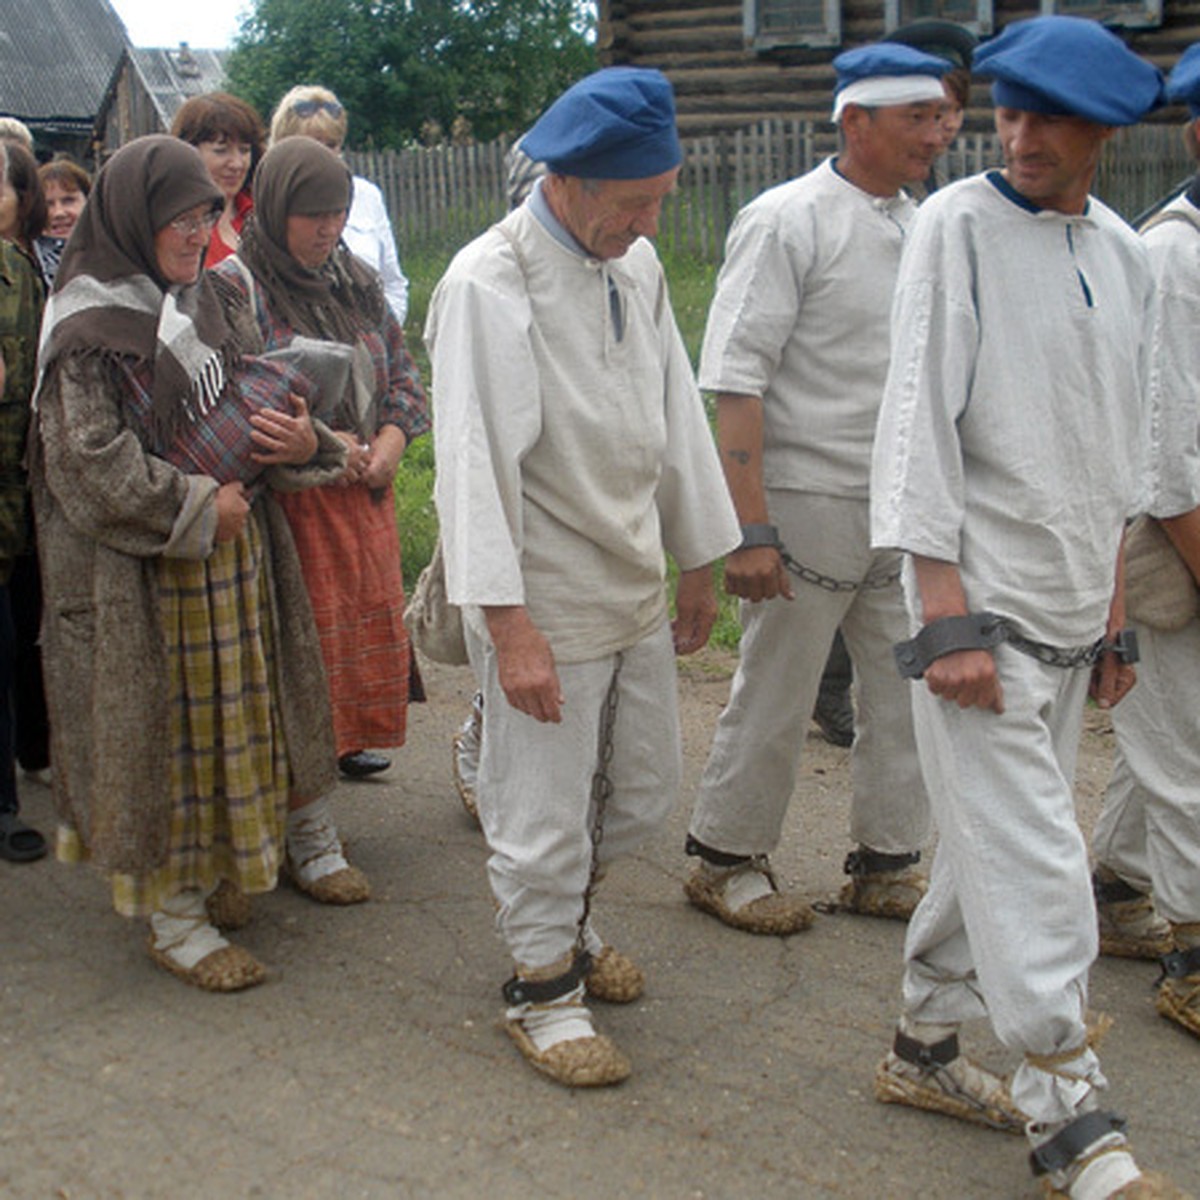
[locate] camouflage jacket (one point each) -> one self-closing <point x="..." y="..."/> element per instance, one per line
<point x="20" y="319"/>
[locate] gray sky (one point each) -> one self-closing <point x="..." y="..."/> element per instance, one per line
<point x="207" y="26"/>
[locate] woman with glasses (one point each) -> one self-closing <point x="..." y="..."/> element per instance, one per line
<point x="315" y="112"/>
<point x="297" y="279"/>
<point x="184" y="680"/>
<point x="229" y="135"/>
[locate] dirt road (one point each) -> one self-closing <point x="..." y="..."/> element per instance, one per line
<point x="371" y="1064"/>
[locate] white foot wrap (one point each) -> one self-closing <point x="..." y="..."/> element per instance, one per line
<point x="313" y="846"/>
<point x="182" y="932"/>
<point x="561" y="1020"/>
<point x="744" y="887"/>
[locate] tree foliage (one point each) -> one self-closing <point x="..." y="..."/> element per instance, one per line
<point x="401" y="65"/>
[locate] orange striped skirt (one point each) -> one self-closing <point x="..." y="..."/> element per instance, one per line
<point x="349" y="549"/>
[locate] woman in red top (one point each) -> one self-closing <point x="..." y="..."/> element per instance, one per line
<point x="231" y="138"/>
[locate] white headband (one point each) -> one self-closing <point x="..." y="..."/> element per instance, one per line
<point x="881" y="91"/>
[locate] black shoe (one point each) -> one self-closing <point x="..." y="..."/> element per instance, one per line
<point x="835" y="720"/>
<point x="362" y="763"/>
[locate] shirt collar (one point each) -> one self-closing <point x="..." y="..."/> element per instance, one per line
<point x="540" y="208"/>
<point x="1006" y="189"/>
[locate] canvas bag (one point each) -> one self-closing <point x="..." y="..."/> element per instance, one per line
<point x="434" y="624"/>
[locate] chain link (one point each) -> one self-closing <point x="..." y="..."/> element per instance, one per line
<point x="829" y="584"/>
<point x="1068" y="658"/>
<point x="602" y="790"/>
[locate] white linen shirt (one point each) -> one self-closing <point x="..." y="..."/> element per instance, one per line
<point x="369" y="235"/>
<point x="568" y="457"/>
<point x="1174" y="475"/>
<point x="1010" y="437"/>
<point x="800" y="319"/>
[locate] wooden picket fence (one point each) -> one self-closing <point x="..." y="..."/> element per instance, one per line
<point x="442" y="197"/>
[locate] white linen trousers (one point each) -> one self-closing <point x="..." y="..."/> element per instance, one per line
<point x="1149" y="827"/>
<point x="1007" y="929"/>
<point x="535" y="787"/>
<point x="751" y="770"/>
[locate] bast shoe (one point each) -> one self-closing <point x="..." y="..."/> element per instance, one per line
<point x="614" y="978"/>
<point x="881" y="885"/>
<point x="938" y="1078"/>
<point x="1089" y="1158"/>
<point x="552" y="1027"/>
<point x="1129" y="924"/>
<point x="714" y="890"/>
<point x="1178" y="996"/>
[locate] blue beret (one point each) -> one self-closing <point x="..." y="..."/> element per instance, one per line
<point x="618" y="123"/>
<point x="1183" y="86"/>
<point x="1069" y="65"/>
<point x="885" y="58"/>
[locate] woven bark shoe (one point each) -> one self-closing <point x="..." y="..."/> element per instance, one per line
<point x="465" y="767"/>
<point x="228" y="907"/>
<point x="230" y="969"/>
<point x="778" y="913"/>
<point x="614" y="978"/>
<point x="1178" y="997"/>
<point x="1090" y="1159"/>
<point x="882" y="885"/>
<point x="939" y="1079"/>
<point x="552" y="1028"/>
<point x="345" y="886"/>
<point x="1129" y="924"/>
<point x="581" y="1062"/>
<point x="465" y="759"/>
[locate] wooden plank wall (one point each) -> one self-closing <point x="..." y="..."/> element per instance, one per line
<point x="441" y="198"/>
<point x="721" y="84"/>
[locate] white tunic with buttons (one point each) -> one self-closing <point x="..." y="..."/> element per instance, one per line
<point x="800" y="319"/>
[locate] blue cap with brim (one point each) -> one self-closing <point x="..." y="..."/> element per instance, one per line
<point x="1183" y="84"/>
<point x="618" y="123"/>
<point x="1069" y="66"/>
<point x="885" y="58"/>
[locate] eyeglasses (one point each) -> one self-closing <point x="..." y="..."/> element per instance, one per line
<point x="310" y="108"/>
<point x="189" y="226"/>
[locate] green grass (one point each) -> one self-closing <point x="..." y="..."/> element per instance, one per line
<point x="691" y="284"/>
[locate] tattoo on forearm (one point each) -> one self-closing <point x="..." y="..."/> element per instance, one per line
<point x="742" y="457"/>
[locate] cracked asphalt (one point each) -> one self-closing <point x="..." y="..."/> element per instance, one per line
<point x="371" y="1064"/>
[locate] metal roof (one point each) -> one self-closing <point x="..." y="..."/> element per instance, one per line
<point x="171" y="76"/>
<point x="57" y="57"/>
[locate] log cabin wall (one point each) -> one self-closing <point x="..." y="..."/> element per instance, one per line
<point x="728" y="75"/>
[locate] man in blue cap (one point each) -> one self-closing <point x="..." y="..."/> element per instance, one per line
<point x="1147" y="840"/>
<point x="573" y="452"/>
<point x="1006" y="462"/>
<point x="796" y="350"/>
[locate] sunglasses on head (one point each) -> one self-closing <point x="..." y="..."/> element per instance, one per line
<point x="310" y="108"/>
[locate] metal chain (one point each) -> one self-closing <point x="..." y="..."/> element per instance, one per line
<point x="829" y="584"/>
<point x="1052" y="656"/>
<point x="602" y="790"/>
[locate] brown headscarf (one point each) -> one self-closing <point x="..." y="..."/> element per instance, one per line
<point x="109" y="296"/>
<point x="342" y="298"/>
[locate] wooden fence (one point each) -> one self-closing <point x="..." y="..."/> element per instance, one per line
<point x="441" y="198"/>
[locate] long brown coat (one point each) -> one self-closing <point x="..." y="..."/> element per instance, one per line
<point x="105" y="510"/>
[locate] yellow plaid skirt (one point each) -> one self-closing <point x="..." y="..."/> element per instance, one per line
<point x="229" y="771"/>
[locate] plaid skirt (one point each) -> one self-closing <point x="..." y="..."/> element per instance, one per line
<point x="229" y="769"/>
<point x="349" y="548"/>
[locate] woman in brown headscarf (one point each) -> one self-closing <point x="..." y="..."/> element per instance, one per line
<point x="180" y="655"/>
<point x="295" y="277"/>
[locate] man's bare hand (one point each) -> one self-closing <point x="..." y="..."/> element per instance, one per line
<point x="1111" y="680"/>
<point x="525" y="661"/>
<point x="695" y="610"/>
<point x="757" y="574"/>
<point x="968" y="678"/>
